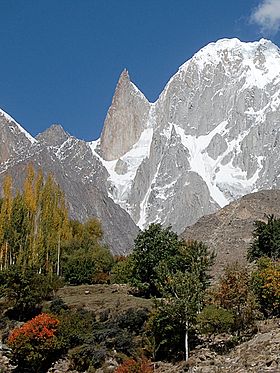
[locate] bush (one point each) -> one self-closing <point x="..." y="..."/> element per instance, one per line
<point x="86" y="356"/>
<point x="35" y="344"/>
<point x="57" y="305"/>
<point x="26" y="291"/>
<point x="133" y="319"/>
<point x="76" y="327"/>
<point x="132" y="366"/>
<point x="214" y="320"/>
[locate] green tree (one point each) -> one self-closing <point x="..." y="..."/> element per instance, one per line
<point x="266" y="239"/>
<point x="5" y="217"/>
<point x="151" y="247"/>
<point x="122" y="270"/>
<point x="181" y="279"/>
<point x="175" y="315"/>
<point x="18" y="230"/>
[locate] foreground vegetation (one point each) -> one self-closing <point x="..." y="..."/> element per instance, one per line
<point x="176" y="307"/>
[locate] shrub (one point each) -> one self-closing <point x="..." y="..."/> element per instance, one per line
<point x="86" y="356"/>
<point x="133" y="319"/>
<point x="214" y="320"/>
<point x="57" y="305"/>
<point x="26" y="291"/>
<point x="132" y="366"/>
<point x="35" y="344"/>
<point x="76" y="327"/>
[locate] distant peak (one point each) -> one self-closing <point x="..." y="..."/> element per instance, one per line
<point x="55" y="134"/>
<point x="56" y="127"/>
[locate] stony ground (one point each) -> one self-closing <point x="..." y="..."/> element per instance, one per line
<point x="258" y="355"/>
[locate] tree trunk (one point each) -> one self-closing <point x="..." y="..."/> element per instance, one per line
<point x="58" y="257"/>
<point x="187" y="341"/>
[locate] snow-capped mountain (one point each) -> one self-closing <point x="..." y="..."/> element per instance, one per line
<point x="211" y="137"/>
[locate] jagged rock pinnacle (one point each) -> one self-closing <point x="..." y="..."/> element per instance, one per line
<point x="126" y="119"/>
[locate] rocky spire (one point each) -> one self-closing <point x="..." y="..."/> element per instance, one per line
<point x="125" y="120"/>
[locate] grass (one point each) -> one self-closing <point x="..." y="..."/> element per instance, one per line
<point x="98" y="298"/>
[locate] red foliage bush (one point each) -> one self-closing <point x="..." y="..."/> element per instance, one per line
<point x="35" y="342"/>
<point x="132" y="366"/>
<point x="41" y="327"/>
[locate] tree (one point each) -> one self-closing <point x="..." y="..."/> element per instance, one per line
<point x="5" y="216"/>
<point x="181" y="278"/>
<point x="233" y="292"/>
<point x="266" y="239"/>
<point x="266" y="285"/>
<point x="177" y="310"/>
<point x="151" y="247"/>
<point x="121" y="272"/>
<point x="85" y="259"/>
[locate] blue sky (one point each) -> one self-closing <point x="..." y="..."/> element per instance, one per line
<point x="60" y="59"/>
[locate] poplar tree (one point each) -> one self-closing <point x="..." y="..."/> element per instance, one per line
<point x="5" y="217"/>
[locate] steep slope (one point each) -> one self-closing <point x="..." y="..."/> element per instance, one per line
<point x="211" y="137"/>
<point x="229" y="230"/>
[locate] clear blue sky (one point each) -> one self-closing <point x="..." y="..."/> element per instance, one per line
<point x="60" y="59"/>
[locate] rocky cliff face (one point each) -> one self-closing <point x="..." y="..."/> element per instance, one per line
<point x="211" y="137"/>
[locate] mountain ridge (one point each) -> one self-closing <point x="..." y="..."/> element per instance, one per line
<point x="211" y="137"/>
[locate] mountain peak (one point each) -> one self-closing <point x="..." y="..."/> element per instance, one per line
<point x="55" y="135"/>
<point x="124" y="75"/>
